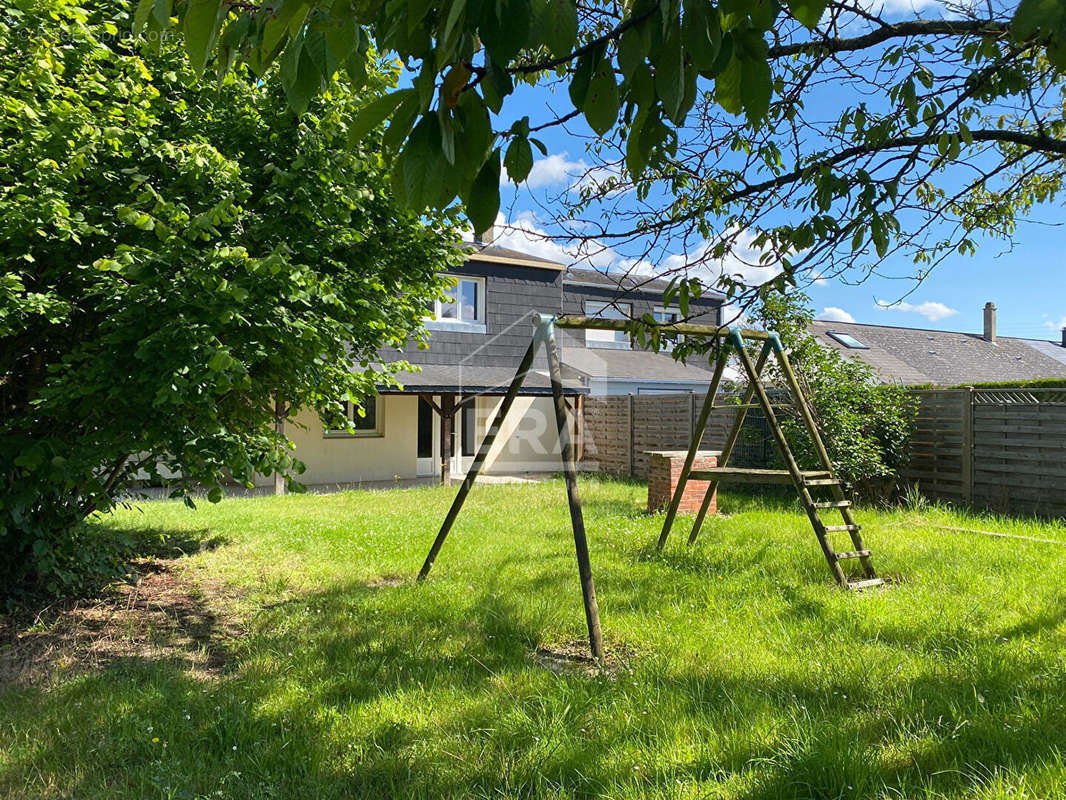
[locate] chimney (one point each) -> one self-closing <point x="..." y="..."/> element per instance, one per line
<point x="1064" y="337"/>
<point x="485" y="237"/>
<point x="990" y="322"/>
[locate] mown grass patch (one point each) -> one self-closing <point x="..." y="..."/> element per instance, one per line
<point x="739" y="670"/>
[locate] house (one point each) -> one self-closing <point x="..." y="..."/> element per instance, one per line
<point x="914" y="356"/>
<point x="607" y="362"/>
<point x="432" y="425"/>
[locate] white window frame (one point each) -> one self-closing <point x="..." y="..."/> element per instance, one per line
<point x="670" y="341"/>
<point x="608" y="340"/>
<point x="438" y="322"/>
<point x="351" y="413"/>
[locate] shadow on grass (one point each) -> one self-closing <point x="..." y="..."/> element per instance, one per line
<point x="406" y="690"/>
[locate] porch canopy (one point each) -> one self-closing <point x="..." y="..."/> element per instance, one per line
<point x="467" y="383"/>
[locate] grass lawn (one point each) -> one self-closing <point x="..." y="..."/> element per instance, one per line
<point x="288" y="655"/>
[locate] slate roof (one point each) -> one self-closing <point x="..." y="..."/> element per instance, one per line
<point x="627" y="282"/>
<point x="466" y="379"/>
<point x="596" y="362"/>
<point x="945" y="358"/>
<point x="488" y="252"/>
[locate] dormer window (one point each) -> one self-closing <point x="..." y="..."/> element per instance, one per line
<point x="668" y="316"/>
<point x="848" y="340"/>
<point x="618" y="340"/>
<point x="463" y="305"/>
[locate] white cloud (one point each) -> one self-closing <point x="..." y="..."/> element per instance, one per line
<point x="932" y="311"/>
<point x="525" y="233"/>
<point x="894" y="7"/>
<point x="742" y="262"/>
<point x="555" y="169"/>
<point x="1056" y="326"/>
<point x="835" y="314"/>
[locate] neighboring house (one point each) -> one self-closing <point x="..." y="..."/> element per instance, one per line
<point x="435" y="422"/>
<point x="913" y="356"/>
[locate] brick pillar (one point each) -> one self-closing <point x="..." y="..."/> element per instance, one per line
<point x="664" y="469"/>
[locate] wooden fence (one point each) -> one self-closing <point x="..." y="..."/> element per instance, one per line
<point x="1000" y="449"/>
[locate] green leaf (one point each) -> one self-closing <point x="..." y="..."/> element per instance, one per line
<point x="756" y="88"/>
<point x="808" y="12"/>
<point x="215" y="495"/>
<point x="505" y="28"/>
<point x="300" y="77"/>
<point x="727" y="89"/>
<point x="519" y="159"/>
<point x="1032" y="15"/>
<point x="670" y="75"/>
<point x="201" y="24"/>
<point x="375" y="113"/>
<point x="601" y="103"/>
<point x="560" y="26"/>
<point x="475" y="141"/>
<point x="482" y="199"/>
<point x="631" y="52"/>
<point x="141" y="15"/>
<point x="429" y="181"/>
<point x="583" y="72"/>
<point x="636" y="156"/>
<point x="701" y="33"/>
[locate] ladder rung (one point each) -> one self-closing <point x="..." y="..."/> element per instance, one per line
<point x="833" y="504"/>
<point x="822" y="482"/>
<point x="869" y="583"/>
<point x="743" y="475"/>
<point x="834" y="528"/>
<point x="852" y="554"/>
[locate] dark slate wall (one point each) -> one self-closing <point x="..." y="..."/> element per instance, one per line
<point x="512" y="294"/>
<point x="574" y="297"/>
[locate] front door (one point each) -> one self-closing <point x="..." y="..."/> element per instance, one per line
<point x="464" y="438"/>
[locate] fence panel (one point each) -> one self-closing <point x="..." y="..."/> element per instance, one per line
<point x="1002" y="449"/>
<point x="620" y="429"/>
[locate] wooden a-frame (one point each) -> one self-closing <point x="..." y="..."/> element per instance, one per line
<point x="732" y="340"/>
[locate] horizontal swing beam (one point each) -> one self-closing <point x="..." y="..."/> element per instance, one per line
<point x="687" y="328"/>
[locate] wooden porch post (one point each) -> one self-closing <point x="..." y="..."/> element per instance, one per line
<point x="279" y="428"/>
<point x="447" y="415"/>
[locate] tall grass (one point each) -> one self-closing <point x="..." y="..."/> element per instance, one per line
<point x="738" y="670"/>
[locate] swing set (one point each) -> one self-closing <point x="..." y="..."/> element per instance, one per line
<point x="807" y="483"/>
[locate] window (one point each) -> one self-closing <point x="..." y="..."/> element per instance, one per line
<point x="618" y="340"/>
<point x="468" y="445"/>
<point x="666" y="316"/>
<point x="367" y="420"/>
<point x="848" y="340"/>
<point x="425" y="429"/>
<point x="463" y="304"/>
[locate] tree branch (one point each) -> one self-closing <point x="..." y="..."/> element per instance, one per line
<point x="899" y="30"/>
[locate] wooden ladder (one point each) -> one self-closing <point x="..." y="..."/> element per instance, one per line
<point x="808" y="483"/>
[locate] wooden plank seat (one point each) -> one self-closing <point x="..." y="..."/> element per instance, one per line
<point x="742" y="475"/>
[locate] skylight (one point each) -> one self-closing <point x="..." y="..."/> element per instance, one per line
<point x="848" y="340"/>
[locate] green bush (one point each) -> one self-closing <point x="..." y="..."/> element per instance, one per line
<point x="866" y="425"/>
<point x="181" y="259"/>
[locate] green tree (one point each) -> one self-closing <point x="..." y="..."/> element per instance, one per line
<point x="828" y="131"/>
<point x="181" y="260"/>
<point x="866" y="425"/>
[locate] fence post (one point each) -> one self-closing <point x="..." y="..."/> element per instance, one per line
<point x="692" y="416"/>
<point x="631" y="437"/>
<point x="967" y="445"/>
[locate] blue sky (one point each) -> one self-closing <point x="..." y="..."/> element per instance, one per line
<point x="1026" y="280"/>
